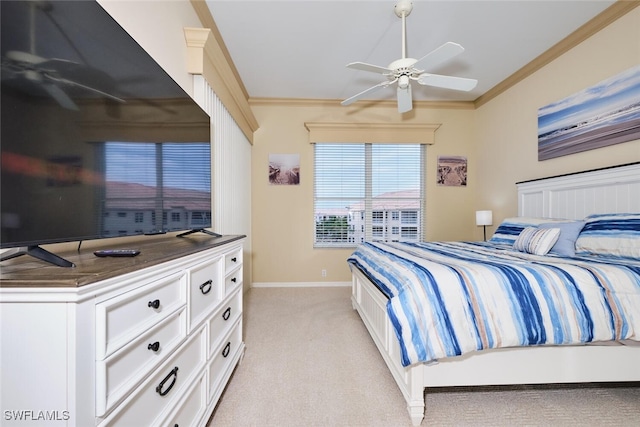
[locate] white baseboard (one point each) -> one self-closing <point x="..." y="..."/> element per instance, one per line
<point x="299" y="284"/>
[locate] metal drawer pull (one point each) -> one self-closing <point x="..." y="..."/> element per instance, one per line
<point x="154" y="347"/>
<point x="226" y="350"/>
<point x="154" y="304"/>
<point x="174" y="374"/>
<point x="234" y="259"/>
<point x="233" y="280"/>
<point x="206" y="285"/>
<point x="227" y="313"/>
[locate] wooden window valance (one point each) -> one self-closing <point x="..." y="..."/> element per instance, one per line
<point x="371" y="132"/>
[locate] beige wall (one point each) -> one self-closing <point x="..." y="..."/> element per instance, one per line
<point x="506" y="127"/>
<point x="282" y="218"/>
<point x="499" y="139"/>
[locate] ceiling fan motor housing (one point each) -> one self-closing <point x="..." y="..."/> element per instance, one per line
<point x="403" y="8"/>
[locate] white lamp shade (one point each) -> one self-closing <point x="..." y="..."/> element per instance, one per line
<point x="484" y="217"/>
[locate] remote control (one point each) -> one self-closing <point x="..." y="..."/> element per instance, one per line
<point x="117" y="252"/>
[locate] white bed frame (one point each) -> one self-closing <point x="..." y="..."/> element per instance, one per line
<point x="570" y="196"/>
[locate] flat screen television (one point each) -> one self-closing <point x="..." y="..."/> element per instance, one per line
<point x="97" y="139"/>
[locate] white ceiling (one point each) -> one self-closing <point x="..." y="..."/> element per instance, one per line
<point x="299" y="49"/>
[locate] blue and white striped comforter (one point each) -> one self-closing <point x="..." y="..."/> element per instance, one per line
<point x="450" y="298"/>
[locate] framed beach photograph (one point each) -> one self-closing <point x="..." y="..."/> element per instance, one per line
<point x="604" y="114"/>
<point x="452" y="171"/>
<point x="284" y="169"/>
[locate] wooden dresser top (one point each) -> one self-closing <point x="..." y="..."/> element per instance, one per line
<point x="26" y="271"/>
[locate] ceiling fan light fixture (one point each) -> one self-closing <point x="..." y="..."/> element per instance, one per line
<point x="403" y="82"/>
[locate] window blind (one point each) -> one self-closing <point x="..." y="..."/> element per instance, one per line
<point x="160" y="186"/>
<point x="365" y="191"/>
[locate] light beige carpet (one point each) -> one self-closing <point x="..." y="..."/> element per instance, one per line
<point x="309" y="361"/>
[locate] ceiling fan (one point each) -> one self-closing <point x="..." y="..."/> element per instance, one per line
<point x="404" y="70"/>
<point x="54" y="76"/>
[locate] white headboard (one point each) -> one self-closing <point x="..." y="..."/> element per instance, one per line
<point x="574" y="196"/>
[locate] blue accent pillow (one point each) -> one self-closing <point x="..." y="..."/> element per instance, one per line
<point x="569" y="231"/>
<point x="610" y="234"/>
<point x="510" y="228"/>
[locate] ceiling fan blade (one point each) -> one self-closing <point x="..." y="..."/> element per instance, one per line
<point x="85" y="87"/>
<point x="369" y="67"/>
<point x="60" y="96"/>
<point x="405" y="102"/>
<point x="439" y="55"/>
<point x="447" y="82"/>
<point x="367" y="91"/>
<point x="26" y="57"/>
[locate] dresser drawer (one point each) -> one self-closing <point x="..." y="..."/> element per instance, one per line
<point x="223" y="358"/>
<point x="233" y="280"/>
<point x="206" y="288"/>
<point x="222" y="322"/>
<point x="153" y="400"/>
<point x="191" y="410"/>
<point x="121" y="319"/>
<point x="232" y="260"/>
<point x="121" y="372"/>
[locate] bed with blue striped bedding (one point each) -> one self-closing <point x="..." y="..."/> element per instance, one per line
<point x="447" y="299"/>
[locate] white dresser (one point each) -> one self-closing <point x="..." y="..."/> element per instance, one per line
<point x="144" y="341"/>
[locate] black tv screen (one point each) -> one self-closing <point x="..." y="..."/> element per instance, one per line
<point x="97" y="139"/>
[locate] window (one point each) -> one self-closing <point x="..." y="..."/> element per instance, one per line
<point x="409" y="233"/>
<point x="149" y="177"/>
<point x="358" y="185"/>
<point x="200" y="218"/>
<point x="409" y="217"/>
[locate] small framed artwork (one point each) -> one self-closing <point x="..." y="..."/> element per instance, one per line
<point x="284" y="169"/>
<point x="452" y="171"/>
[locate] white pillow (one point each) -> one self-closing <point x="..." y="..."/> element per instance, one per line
<point x="536" y="241"/>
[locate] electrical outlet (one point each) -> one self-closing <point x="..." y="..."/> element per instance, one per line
<point x="324" y="273"/>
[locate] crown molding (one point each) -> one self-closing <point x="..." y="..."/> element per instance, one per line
<point x="305" y="102"/>
<point x="603" y="19"/>
<point x="207" y="55"/>
<point x="606" y="17"/>
<point x="204" y="14"/>
<point x="205" y="58"/>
